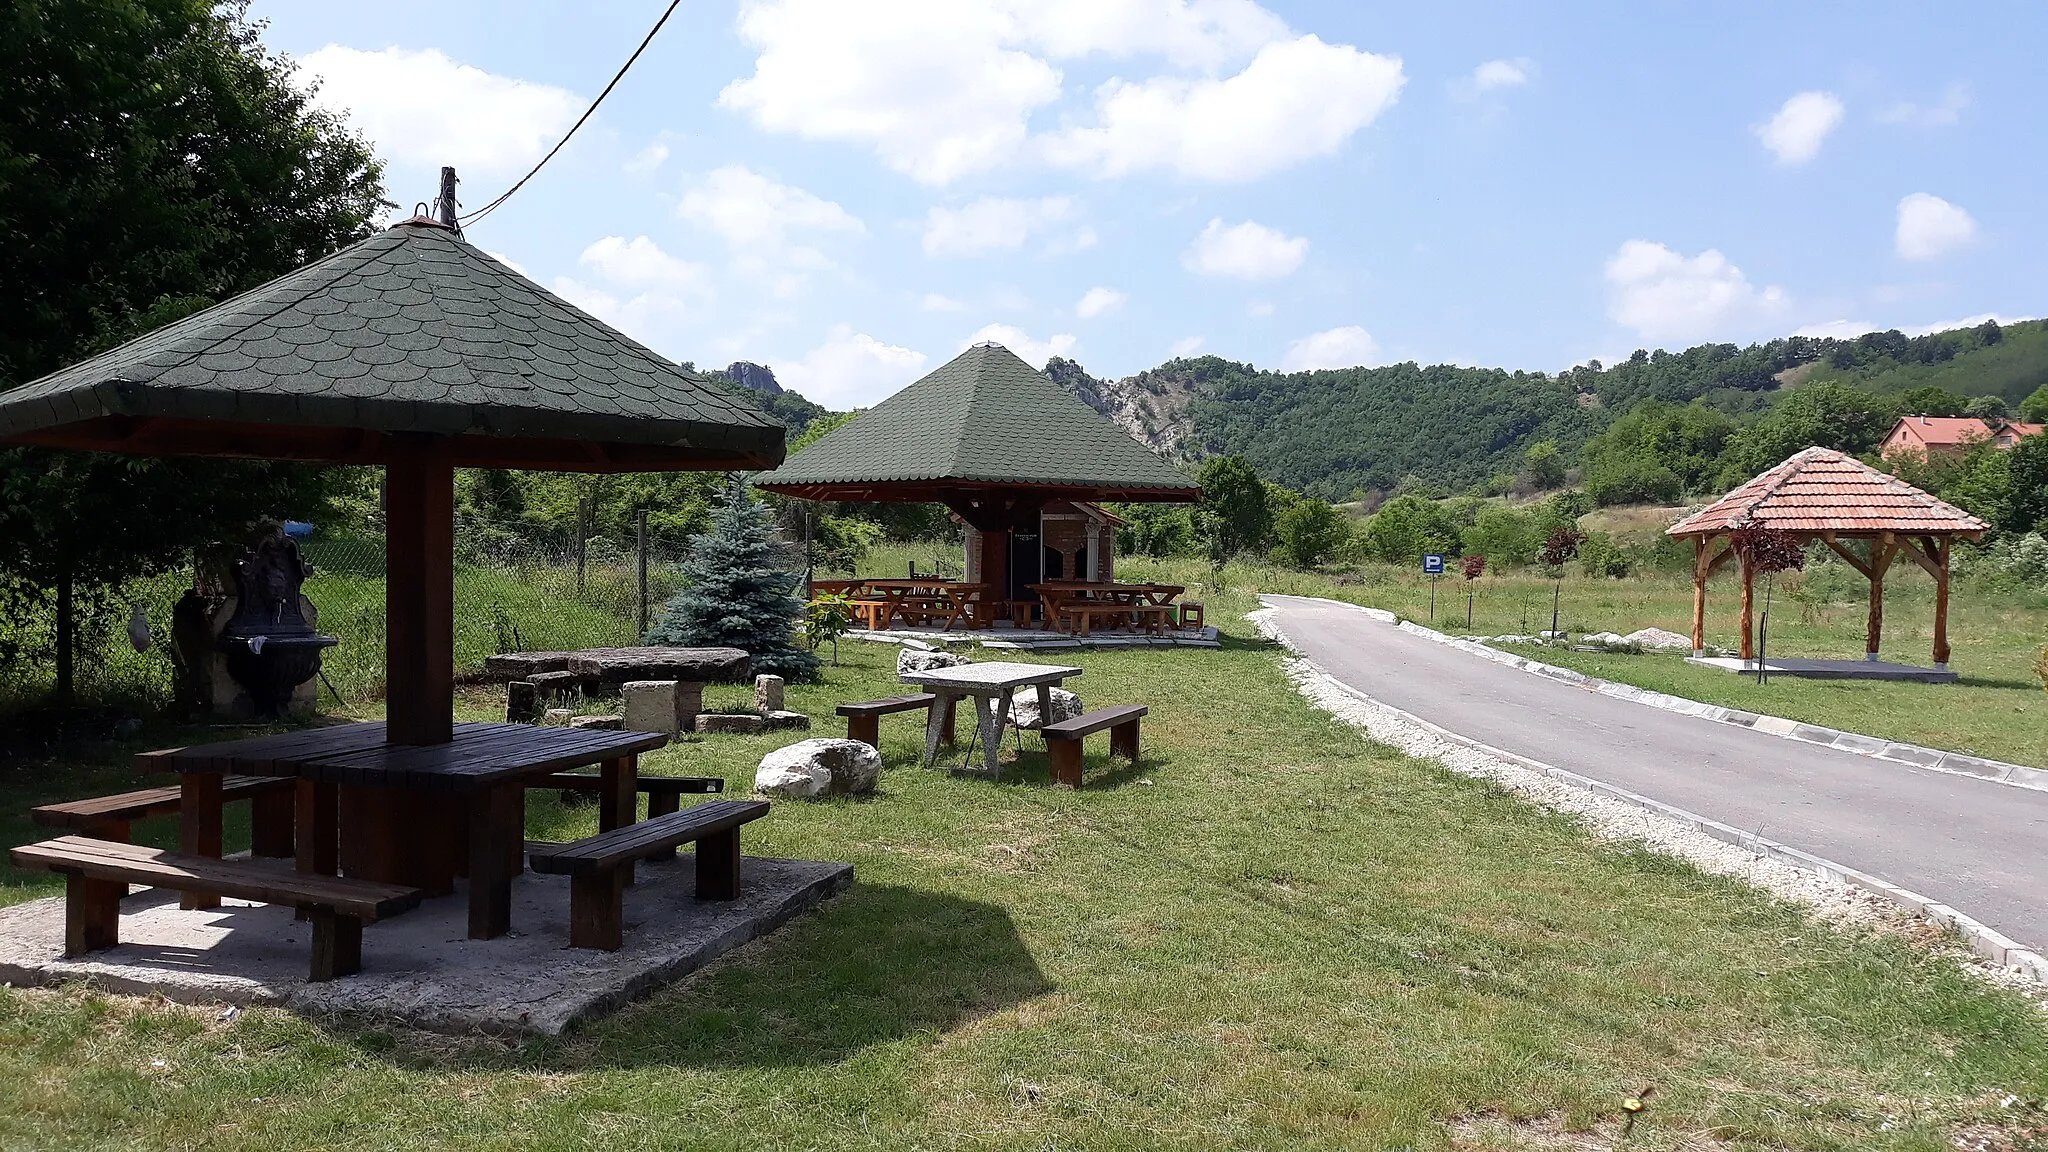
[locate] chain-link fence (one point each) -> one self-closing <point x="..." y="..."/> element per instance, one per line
<point x="511" y="594"/>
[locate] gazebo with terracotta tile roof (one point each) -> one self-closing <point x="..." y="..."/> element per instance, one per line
<point x="1820" y="494"/>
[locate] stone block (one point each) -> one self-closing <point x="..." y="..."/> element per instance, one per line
<point x="522" y="702"/>
<point x="652" y="706"/>
<point x="925" y="659"/>
<point x="768" y="693"/>
<point x="780" y="719"/>
<point x="606" y="722"/>
<point x="556" y="716"/>
<point x="556" y="684"/>
<point x="739" y="722"/>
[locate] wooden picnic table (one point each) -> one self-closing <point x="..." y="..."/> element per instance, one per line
<point x="990" y="686"/>
<point x="926" y="596"/>
<point x="1060" y="596"/>
<point x="417" y="815"/>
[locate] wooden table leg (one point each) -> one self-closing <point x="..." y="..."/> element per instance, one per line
<point x="619" y="802"/>
<point x="316" y="827"/>
<point x="199" y="802"/>
<point x="491" y="814"/>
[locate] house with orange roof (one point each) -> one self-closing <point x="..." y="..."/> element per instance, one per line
<point x="1935" y="437"/>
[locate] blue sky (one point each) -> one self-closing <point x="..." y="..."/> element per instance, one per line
<point x="853" y="191"/>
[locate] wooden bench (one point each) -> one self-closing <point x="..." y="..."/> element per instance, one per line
<point x="110" y="817"/>
<point x="1078" y="617"/>
<point x="597" y="867"/>
<point x="864" y="719"/>
<point x="1156" y="618"/>
<point x="664" y="793"/>
<point x="1063" y="740"/>
<point x="97" y="872"/>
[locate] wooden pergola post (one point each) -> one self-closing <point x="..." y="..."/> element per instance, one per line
<point x="1940" y="602"/>
<point x="1882" y="549"/>
<point x="1748" y="607"/>
<point x="1699" y="595"/>
<point x="419" y="594"/>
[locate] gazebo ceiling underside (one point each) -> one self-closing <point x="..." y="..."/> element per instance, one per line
<point x="410" y="337"/>
<point x="1819" y="492"/>
<point x="983" y="426"/>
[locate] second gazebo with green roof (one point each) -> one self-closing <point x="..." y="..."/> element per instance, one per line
<point x="992" y="439"/>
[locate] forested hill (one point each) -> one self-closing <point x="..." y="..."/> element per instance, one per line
<point x="1336" y="433"/>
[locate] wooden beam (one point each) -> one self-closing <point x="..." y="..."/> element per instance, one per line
<point x="1941" y="604"/>
<point x="1882" y="550"/>
<point x="1854" y="560"/>
<point x="1700" y="572"/>
<point x="1748" y="608"/>
<point x="1923" y="556"/>
<point x="419" y="595"/>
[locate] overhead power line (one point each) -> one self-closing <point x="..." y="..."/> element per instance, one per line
<point x="491" y="207"/>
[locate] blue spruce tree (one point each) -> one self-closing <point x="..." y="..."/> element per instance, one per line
<point x="738" y="591"/>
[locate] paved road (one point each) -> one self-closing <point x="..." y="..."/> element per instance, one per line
<point x="1974" y="845"/>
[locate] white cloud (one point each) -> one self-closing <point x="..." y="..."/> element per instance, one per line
<point x="647" y="159"/>
<point x="759" y="220"/>
<point x="1836" y="329"/>
<point x="1296" y="100"/>
<point x="940" y="89"/>
<point x="1247" y="251"/>
<point x="1795" y="133"/>
<point x="1666" y="297"/>
<point x="640" y="264"/>
<point x="1033" y="352"/>
<point x="1930" y="226"/>
<point x="645" y="293"/>
<point x="990" y="224"/>
<point x="932" y="85"/>
<point x="1259" y="309"/>
<point x="1097" y="301"/>
<point x="934" y="302"/>
<point x="509" y="262"/>
<point x="423" y="108"/>
<point x="1495" y="75"/>
<point x="649" y="317"/>
<point x="1346" y="347"/>
<point x="1185" y="347"/>
<point x="850" y="369"/>
<point x="1946" y="112"/>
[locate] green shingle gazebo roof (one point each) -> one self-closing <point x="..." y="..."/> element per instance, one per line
<point x="983" y="420"/>
<point x="412" y="331"/>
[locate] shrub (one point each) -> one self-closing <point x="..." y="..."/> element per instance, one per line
<point x="1310" y="533"/>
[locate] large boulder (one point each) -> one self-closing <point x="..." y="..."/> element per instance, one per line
<point x="1660" y="640"/>
<point x="1024" y="708"/>
<point x="924" y="660"/>
<point x="813" y="768"/>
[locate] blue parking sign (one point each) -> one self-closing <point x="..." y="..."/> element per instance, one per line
<point x="1433" y="564"/>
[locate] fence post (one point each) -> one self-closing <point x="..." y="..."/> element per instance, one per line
<point x="582" y="539"/>
<point x="641" y="527"/>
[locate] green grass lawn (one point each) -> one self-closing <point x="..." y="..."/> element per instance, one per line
<point x="1998" y="708"/>
<point x="1269" y="933"/>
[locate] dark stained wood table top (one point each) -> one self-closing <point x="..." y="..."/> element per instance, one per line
<point x="356" y="754"/>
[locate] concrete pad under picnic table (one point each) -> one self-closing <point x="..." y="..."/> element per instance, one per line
<point x="419" y="968"/>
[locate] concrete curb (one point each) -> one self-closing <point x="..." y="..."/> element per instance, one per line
<point x="1985" y="941"/>
<point x="1874" y="747"/>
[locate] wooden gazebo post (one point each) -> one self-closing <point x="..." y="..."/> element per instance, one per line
<point x="419" y="593"/>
